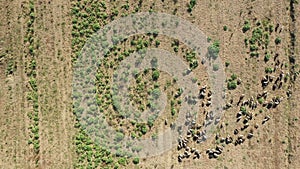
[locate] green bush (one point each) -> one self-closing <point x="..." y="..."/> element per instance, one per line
<point x="260" y="100"/>
<point x="136" y="160"/>
<point x="122" y="161"/>
<point x="173" y="111"/>
<point x="253" y="48"/>
<point x="214" y="49"/>
<point x="144" y="129"/>
<point x="155" y="75"/>
<point x="247" y="26"/>
<point x="233" y="76"/>
<point x="155" y="93"/>
<point x="191" y="5"/>
<point x="267" y="57"/>
<point x="227" y="63"/>
<point x="231" y="85"/>
<point x="157" y="43"/>
<point x="215" y="67"/>
<point x="268" y="70"/>
<point x="119" y="136"/>
<point x="277" y="40"/>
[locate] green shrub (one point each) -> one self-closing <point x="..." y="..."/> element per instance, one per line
<point x="267" y="57"/>
<point x="253" y="48"/>
<point x="246" y="41"/>
<point x="225" y="28"/>
<point x="260" y="100"/>
<point x="191" y="5"/>
<point x="277" y="40"/>
<point x="173" y="111"/>
<point x="268" y="70"/>
<point x="144" y="129"/>
<point x="150" y="121"/>
<point x="252" y="54"/>
<point x="157" y="43"/>
<point x="155" y="93"/>
<point x="227" y="63"/>
<point x="243" y="109"/>
<point x="122" y="161"/>
<point x="214" y="49"/>
<point x="155" y="75"/>
<point x="175" y="48"/>
<point x="96" y="26"/>
<point x="119" y="136"/>
<point x="136" y="160"/>
<point x="215" y="67"/>
<point x="231" y="85"/>
<point x="247" y="26"/>
<point x="233" y="76"/>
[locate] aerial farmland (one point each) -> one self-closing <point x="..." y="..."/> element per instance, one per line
<point x="160" y="84"/>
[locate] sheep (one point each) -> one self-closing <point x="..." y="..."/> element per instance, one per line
<point x="179" y="147"/>
<point x="274" y="87"/>
<point x="267" y="118"/>
<point x="228" y="139"/>
<point x="187" y="154"/>
<point x="250" y="135"/>
<point x="241" y="97"/>
<point x="217" y="136"/>
<point x="239" y="81"/>
<point x="208" y="103"/>
<point x="280" y="85"/>
<point x="265" y="94"/>
<point x="217" y="120"/>
<point x="239" y="114"/>
<point x="179" y="158"/>
<point x="197" y="155"/>
<point x="281" y="75"/>
<point x="222" y="140"/>
<point x="238" y="119"/>
<point x="236" y="131"/>
<point x="218" y="148"/>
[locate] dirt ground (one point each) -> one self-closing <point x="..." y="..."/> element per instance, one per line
<point x="276" y="144"/>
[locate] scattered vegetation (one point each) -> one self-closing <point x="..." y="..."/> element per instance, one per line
<point x="32" y="96"/>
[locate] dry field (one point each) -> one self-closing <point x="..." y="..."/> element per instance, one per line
<point x="257" y="41"/>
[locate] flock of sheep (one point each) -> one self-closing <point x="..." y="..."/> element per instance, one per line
<point x="196" y="133"/>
